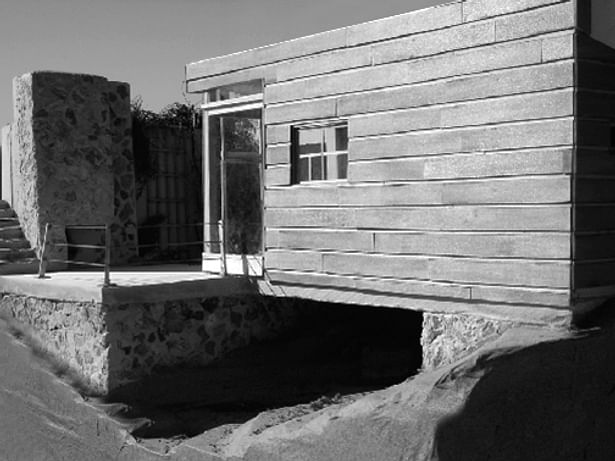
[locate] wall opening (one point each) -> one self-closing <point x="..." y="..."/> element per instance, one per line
<point x="334" y="354"/>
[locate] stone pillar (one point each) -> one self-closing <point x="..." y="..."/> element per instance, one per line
<point x="69" y="129"/>
<point x="447" y="338"/>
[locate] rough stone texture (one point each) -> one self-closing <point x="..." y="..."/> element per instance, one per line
<point x="72" y="331"/>
<point x="448" y="337"/>
<point x="71" y="133"/>
<point x="109" y="345"/>
<point x="193" y="332"/>
<point x="7" y="186"/>
<point x="124" y="227"/>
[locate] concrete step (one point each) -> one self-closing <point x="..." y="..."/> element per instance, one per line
<point x="4" y="204"/>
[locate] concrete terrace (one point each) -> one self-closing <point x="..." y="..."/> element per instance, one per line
<point x="128" y="284"/>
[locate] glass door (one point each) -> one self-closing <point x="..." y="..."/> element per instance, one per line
<point x="234" y="201"/>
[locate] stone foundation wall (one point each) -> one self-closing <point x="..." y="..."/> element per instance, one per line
<point x="111" y="345"/>
<point x="448" y="337"/>
<point x="193" y="332"/>
<point x="74" y="332"/>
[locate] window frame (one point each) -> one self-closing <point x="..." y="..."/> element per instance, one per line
<point x="296" y="156"/>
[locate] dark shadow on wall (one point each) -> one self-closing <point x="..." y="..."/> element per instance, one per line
<point x="553" y="401"/>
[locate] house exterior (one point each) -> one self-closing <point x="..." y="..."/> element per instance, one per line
<point x="452" y="159"/>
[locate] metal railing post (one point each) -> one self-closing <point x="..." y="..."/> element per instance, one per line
<point x="42" y="265"/>
<point x="222" y="248"/>
<point x="107" y="279"/>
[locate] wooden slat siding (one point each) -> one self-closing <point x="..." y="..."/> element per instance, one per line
<point x="475" y="218"/>
<point x="595" y="162"/>
<point x="393" y="170"/>
<point x="595" y="189"/>
<point x="557" y="48"/>
<point x="536" y="161"/>
<point x="413" y="22"/>
<point x="594" y="246"/>
<point x="474" y="10"/>
<point x="267" y="73"/>
<point x="278" y="175"/>
<point x="465" y="166"/>
<point x="507" y="312"/>
<point x="386" y="285"/>
<point x="534" y="190"/>
<point x="278" y="154"/>
<point x="268" y="54"/>
<point x="422" y="45"/>
<point x="506" y="272"/>
<point x="535" y="22"/>
<point x="320" y="239"/>
<point x="521" y="296"/>
<point x="593" y="274"/>
<point x="594" y="217"/>
<point x="528" y="245"/>
<point x="410" y="267"/>
<point x="595" y="104"/>
<point x="472" y="61"/>
<point x="596" y="75"/>
<point x="497" y="110"/>
<point x="486" y="138"/>
<point x="278" y="134"/>
<point x="324" y="63"/>
<point x="593" y="133"/>
<point x="498" y="83"/>
<point x="295" y="260"/>
<point x="304" y="110"/>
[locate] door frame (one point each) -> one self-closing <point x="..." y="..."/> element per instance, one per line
<point x="221" y="262"/>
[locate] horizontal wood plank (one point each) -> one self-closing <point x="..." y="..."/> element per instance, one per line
<point x="278" y="134"/>
<point x="543" y="189"/>
<point x="278" y="154"/>
<point x="535" y="22"/>
<point x="499" y="83"/>
<point x="320" y="239"/>
<point x="474" y="10"/>
<point x="277" y="175"/>
<point x="295" y="260"/>
<point x="421" y="45"/>
<point x="405" y="24"/>
<point x="462" y="292"/>
<point x="594" y="217"/>
<point x="595" y="274"/>
<point x="595" y="162"/>
<point x="476" y="60"/>
<point x="538" y="161"/>
<point x="485" y="245"/>
<point x="557" y="48"/>
<point x="498" y="110"/>
<point x="298" y="111"/>
<point x="493" y="137"/>
<point x="594" y="246"/>
<point x="476" y="218"/>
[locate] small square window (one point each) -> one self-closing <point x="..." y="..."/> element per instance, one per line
<point x="320" y="153"/>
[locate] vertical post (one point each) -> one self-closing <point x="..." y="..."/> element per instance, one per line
<point x="107" y="280"/>
<point x="222" y="223"/>
<point x="42" y="265"/>
<point x="222" y="248"/>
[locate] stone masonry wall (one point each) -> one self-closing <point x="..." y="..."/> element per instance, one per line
<point x="448" y="337"/>
<point x="71" y="135"/>
<point x="110" y="345"/>
<point x="74" y="332"/>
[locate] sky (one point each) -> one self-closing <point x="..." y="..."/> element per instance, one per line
<point x="147" y="43"/>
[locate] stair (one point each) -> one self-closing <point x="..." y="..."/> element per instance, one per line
<point x="16" y="254"/>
